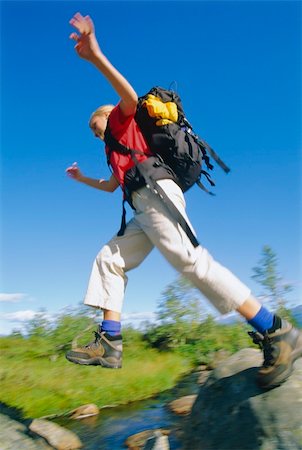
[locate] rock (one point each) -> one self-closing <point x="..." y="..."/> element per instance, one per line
<point x="217" y="358"/>
<point x="157" y="442"/>
<point x="13" y="436"/>
<point x="183" y="405"/>
<point x="232" y="413"/>
<point x="84" y="411"/>
<point x="203" y="376"/>
<point x="57" y="436"/>
<point x="138" y="440"/>
<point x="202" y="367"/>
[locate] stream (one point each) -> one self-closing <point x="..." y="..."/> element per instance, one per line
<point x="110" y="429"/>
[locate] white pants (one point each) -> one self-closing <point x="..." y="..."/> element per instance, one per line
<point x="153" y="225"/>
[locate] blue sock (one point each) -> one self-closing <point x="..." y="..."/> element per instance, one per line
<point x="263" y="320"/>
<point x="111" y="327"/>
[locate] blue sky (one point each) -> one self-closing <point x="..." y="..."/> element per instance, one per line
<point x="238" y="71"/>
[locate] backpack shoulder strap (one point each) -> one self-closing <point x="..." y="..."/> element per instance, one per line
<point x="114" y="145"/>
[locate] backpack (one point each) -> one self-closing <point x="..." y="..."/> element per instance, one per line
<point x="171" y="138"/>
<point x="169" y="135"/>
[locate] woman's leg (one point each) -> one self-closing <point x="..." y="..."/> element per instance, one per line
<point x="106" y="291"/>
<point x="280" y="341"/>
<point x="216" y="282"/>
<point x="108" y="278"/>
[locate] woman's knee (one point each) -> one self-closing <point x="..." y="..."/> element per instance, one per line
<point x="199" y="265"/>
<point x="106" y="258"/>
<point x="103" y="255"/>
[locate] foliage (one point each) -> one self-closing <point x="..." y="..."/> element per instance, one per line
<point x="39" y="325"/>
<point x="184" y="328"/>
<point x="179" y="313"/>
<point x="200" y="344"/>
<point x="71" y="330"/>
<point x="180" y="302"/>
<point x="267" y="275"/>
<point x="287" y="314"/>
<point x="36" y="377"/>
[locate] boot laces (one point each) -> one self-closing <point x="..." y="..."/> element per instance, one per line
<point x="265" y="344"/>
<point x="95" y="343"/>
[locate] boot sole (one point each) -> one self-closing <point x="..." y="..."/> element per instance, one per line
<point x="282" y="377"/>
<point x="94" y="362"/>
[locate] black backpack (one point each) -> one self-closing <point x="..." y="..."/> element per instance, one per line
<point x="171" y="138"/>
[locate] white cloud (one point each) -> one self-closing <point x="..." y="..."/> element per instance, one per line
<point x="11" y="298"/>
<point x="19" y="316"/>
<point x="17" y="320"/>
<point x="137" y="317"/>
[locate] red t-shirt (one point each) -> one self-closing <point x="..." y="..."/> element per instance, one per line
<point x="126" y="131"/>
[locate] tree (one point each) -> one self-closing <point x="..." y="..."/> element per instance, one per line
<point x="179" y="311"/>
<point x="267" y="275"/>
<point x="180" y="302"/>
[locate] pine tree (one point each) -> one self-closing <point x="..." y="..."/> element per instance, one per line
<point x="266" y="274"/>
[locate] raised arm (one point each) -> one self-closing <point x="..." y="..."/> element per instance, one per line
<point x="87" y="47"/>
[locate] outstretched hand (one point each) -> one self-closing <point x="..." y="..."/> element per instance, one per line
<point x="74" y="172"/>
<point x="86" y="46"/>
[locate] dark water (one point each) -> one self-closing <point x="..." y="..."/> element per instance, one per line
<point x="110" y="429"/>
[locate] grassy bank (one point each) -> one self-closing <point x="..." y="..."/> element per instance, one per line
<point x="42" y="384"/>
<point x="36" y="378"/>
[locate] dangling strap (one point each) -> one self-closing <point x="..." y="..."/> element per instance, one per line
<point x="157" y="189"/>
<point x="202" y="186"/>
<point x="199" y="183"/>
<point x="208" y="177"/>
<point x="214" y="155"/>
<point x="206" y="146"/>
<point x="123" y="222"/>
<point x="152" y="185"/>
<point x="176" y="214"/>
<point x="113" y="143"/>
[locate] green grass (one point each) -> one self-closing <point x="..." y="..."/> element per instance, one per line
<point x="38" y="386"/>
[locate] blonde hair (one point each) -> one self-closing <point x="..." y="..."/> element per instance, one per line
<point x="102" y="110"/>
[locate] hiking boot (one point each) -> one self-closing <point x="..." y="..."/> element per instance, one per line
<point x="105" y="351"/>
<point x="281" y="348"/>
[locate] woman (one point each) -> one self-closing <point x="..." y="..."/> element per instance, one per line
<point x="153" y="225"/>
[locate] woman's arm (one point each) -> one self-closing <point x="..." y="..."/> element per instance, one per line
<point x="104" y="185"/>
<point x="88" y="48"/>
